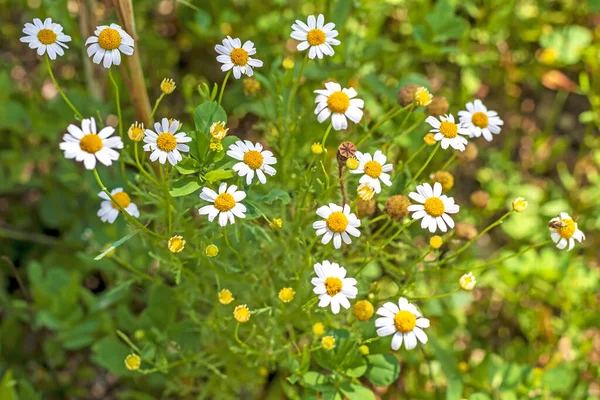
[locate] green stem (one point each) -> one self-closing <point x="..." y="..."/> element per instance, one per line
<point x="237" y="338"/>
<point x="410" y="110"/>
<point x="492" y="263"/>
<point x="414" y="178"/>
<point x="447" y="163"/>
<point x="223" y="85"/>
<point x="296" y="85"/>
<point x="416" y="153"/>
<point x="125" y="213"/>
<point x="155" y="107"/>
<point x="118" y="100"/>
<point x="64" y="96"/>
<point x="326" y="135"/>
<point x="389" y="115"/>
<point x="439" y="296"/>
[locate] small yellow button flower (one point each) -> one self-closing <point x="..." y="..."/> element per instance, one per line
<point x="363" y="310"/>
<point x="352" y="164"/>
<point x="436" y="242"/>
<point x="463" y="366"/>
<point x="423" y="97"/>
<point x="328" y="342"/>
<point x="241" y="313"/>
<point x="316" y="148"/>
<point x="364" y="350"/>
<point x="286" y="294"/>
<point x="251" y="86"/>
<point x="467" y="281"/>
<point x="429" y="139"/>
<point x="318" y="329"/>
<point x="136" y="132"/>
<point x="288" y="63"/>
<point x="167" y="86"/>
<point x="133" y="362"/>
<point x="276" y="223"/>
<point x="176" y="244"/>
<point x="215" y="145"/>
<point x="444" y="178"/>
<point x="519" y="204"/>
<point x="218" y="130"/>
<point x="211" y="250"/>
<point x="225" y="296"/>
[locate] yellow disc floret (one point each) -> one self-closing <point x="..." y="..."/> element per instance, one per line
<point x="136" y="132"/>
<point x="46" y="36"/>
<point x="405" y="321"/>
<point x="338" y="102"/>
<point x="224" y="202"/>
<point x="239" y="57"/>
<point x="253" y="159"/>
<point x="422" y="97"/>
<point x="328" y="343"/>
<point x="166" y="142"/>
<point x="363" y="310"/>
<point x="122" y="198"/>
<point x="315" y="37"/>
<point x="434" y="207"/>
<point x="333" y="285"/>
<point x="436" y="242"/>
<point x="90" y="143"/>
<point x="567" y="228"/>
<point x="167" y="86"/>
<point x="480" y="119"/>
<point x="286" y="294"/>
<point x="337" y="222"/>
<point x="449" y="129"/>
<point x="373" y="169"/>
<point x="225" y="296"/>
<point x="176" y="244"/>
<point x="241" y="313"/>
<point x="133" y="362"/>
<point x="109" y="39"/>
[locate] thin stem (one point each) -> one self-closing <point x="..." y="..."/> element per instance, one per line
<point x="389" y="115"/>
<point x="125" y="213"/>
<point x="296" y="85"/>
<point x="492" y="263"/>
<point x="64" y="96"/>
<point x="416" y="153"/>
<point x="326" y="135"/>
<point x="410" y="110"/>
<point x="239" y="257"/>
<point x="118" y="100"/>
<point x="414" y="178"/>
<point x="439" y="296"/>
<point x="447" y="163"/>
<point x="156" y="107"/>
<point x="223" y="86"/>
<point x="237" y="338"/>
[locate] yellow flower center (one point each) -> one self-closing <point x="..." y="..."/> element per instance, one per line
<point x="241" y="313"/>
<point x="46" y="36"/>
<point x="328" y="342"/>
<point x="136" y="132"/>
<point x="239" y="57"/>
<point x="338" y="102"/>
<point x="568" y="228"/>
<point x="480" y="119"/>
<point x="405" y="321"/>
<point x="109" y="39"/>
<point x="422" y="97"/>
<point x="122" y="198"/>
<point x="315" y="37"/>
<point x="449" y="129"/>
<point x="286" y="294"/>
<point x="133" y="362"/>
<point x="90" y="143"/>
<point x="224" y="202"/>
<point x="253" y="159"/>
<point x="225" y="296"/>
<point x="434" y="206"/>
<point x="166" y="141"/>
<point x="333" y="285"/>
<point x="337" y="222"/>
<point x="373" y="169"/>
<point x="176" y="244"/>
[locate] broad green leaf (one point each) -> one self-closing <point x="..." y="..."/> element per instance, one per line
<point x="219" y="175"/>
<point x="252" y="210"/>
<point x="274" y="195"/>
<point x="455" y="388"/>
<point x="7" y="387"/>
<point x="198" y="145"/>
<point x="316" y="381"/>
<point x="110" y="353"/>
<point x="208" y="113"/>
<point x="356" y="392"/>
<point x="382" y="369"/>
<point x="479" y="396"/>
<point x="188" y="166"/>
<point x="185" y="186"/>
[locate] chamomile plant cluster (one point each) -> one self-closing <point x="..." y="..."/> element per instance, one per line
<point x="308" y="248"/>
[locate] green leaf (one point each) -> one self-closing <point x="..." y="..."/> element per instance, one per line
<point x="7" y="391"/>
<point x="208" y="113"/>
<point x="316" y="381"/>
<point x="274" y="195"/>
<point x="444" y="23"/>
<point x="455" y="388"/>
<point x="199" y="144"/>
<point x="116" y="244"/>
<point x="219" y="175"/>
<point x="357" y="370"/>
<point x="356" y="392"/>
<point x="184" y="186"/>
<point x="188" y="166"/>
<point x="479" y="396"/>
<point x="382" y="369"/>
<point x="252" y="210"/>
<point x="110" y="353"/>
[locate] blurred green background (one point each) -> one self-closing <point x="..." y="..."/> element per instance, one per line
<point x="530" y="330"/>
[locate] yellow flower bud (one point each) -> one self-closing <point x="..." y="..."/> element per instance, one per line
<point x="363" y="310"/>
<point x="364" y="350"/>
<point x="225" y="296"/>
<point x="316" y="148"/>
<point x="429" y="139"/>
<point x="276" y="223"/>
<point x="241" y="313"/>
<point x="133" y="362"/>
<point x="211" y="250"/>
<point x="365" y="191"/>
<point x="136" y="132"/>
<point x="423" y="97"/>
<point x="167" y="86"/>
<point x="328" y="342"/>
<point x="218" y="131"/>
<point x="436" y="242"/>
<point x="288" y="63"/>
<point x="318" y="329"/>
<point x="352" y="164"/>
<point x="445" y="179"/>
<point x="176" y="244"/>
<point x="519" y="204"/>
<point x="286" y="294"/>
<point x="251" y="86"/>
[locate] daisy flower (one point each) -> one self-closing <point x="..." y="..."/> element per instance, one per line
<point x="226" y="204"/>
<point x="253" y="159"/>
<point x="109" y="211"/>
<point x="447" y="131"/>
<point x="434" y="209"/>
<point x="164" y="143"/>
<point x="332" y="286"/>
<point x="565" y="231"/>
<point x="404" y="321"/>
<point x="108" y="43"/>
<point x="374" y="169"/>
<point x="479" y="121"/>
<point x="315" y="35"/>
<point x="233" y="55"/>
<point x="338" y="103"/>
<point x="337" y="223"/>
<point x="46" y="37"/>
<point x="84" y="144"/>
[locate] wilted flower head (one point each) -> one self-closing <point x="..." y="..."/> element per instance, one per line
<point x="467" y="281"/>
<point x="167" y="86"/>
